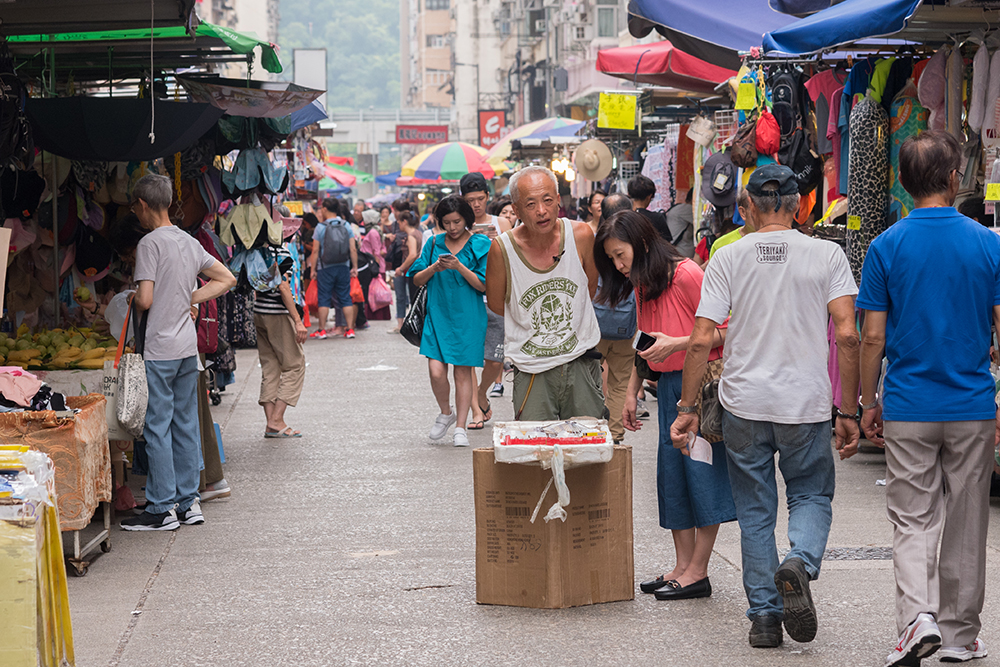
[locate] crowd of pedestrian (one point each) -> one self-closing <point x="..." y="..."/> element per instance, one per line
<point x="508" y="282"/>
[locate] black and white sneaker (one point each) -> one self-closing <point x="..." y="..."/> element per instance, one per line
<point x="150" y="521"/>
<point x="192" y="516"/>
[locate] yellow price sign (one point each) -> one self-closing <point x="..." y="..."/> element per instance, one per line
<point x="295" y="207"/>
<point x="616" y="111"/>
<point x="746" y="95"/>
<point x="992" y="192"/>
<point x="854" y="222"/>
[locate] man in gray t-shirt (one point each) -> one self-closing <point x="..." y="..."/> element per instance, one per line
<point x="781" y="288"/>
<point x="167" y="265"/>
<point x="680" y="222"/>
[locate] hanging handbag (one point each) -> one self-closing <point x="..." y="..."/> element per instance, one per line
<point x="709" y="407"/>
<point x="642" y="368"/>
<point x="133" y="393"/>
<point x="413" y="323"/>
<point x="744" y="149"/>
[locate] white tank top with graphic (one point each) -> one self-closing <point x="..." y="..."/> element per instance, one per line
<point x="548" y="318"/>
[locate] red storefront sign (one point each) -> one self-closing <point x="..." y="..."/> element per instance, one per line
<point x="421" y="134"/>
<point x="492" y="127"/>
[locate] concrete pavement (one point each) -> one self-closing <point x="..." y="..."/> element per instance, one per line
<point x="354" y="545"/>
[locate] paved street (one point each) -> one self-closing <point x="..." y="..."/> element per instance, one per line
<point x="355" y="546"/>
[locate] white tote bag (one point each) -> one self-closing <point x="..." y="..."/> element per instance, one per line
<point x="133" y="393"/>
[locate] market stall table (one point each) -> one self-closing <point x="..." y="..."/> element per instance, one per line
<point x="78" y="445"/>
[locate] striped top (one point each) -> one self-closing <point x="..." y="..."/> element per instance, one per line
<point x="270" y="303"/>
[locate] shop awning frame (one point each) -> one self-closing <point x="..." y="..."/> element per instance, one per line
<point x="26" y="17"/>
<point x="170" y="38"/>
<point x="856" y="21"/>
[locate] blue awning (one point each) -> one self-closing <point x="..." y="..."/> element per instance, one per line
<point x="387" y="179"/>
<point x="844" y="23"/>
<point x="801" y="7"/>
<point x="713" y="30"/>
<point x="307" y="115"/>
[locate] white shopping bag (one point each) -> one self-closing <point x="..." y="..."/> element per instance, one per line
<point x="110" y="390"/>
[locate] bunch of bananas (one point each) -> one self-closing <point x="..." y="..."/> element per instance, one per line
<point x="56" y="349"/>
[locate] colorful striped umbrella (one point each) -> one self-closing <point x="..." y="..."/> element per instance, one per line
<point x="501" y="150"/>
<point x="448" y="162"/>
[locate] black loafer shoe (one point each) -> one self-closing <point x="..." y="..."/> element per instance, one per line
<point x="653" y="585"/>
<point x="765" y="631"/>
<point x="674" y="591"/>
<point x="792" y="581"/>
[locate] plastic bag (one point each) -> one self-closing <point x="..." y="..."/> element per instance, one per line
<point x="357" y="294"/>
<point x="413" y="323"/>
<point x="379" y="294"/>
<point x="312" y="296"/>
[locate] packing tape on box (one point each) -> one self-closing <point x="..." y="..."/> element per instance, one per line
<point x="557" y="510"/>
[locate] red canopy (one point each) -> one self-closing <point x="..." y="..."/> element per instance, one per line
<point x="662" y="64"/>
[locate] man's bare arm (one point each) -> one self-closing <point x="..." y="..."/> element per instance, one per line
<point x="496" y="279"/>
<point x="584" y="236"/>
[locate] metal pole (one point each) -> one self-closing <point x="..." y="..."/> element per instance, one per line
<point x="55" y="198"/>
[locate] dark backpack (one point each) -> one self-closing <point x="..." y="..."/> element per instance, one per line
<point x="743" y="152"/>
<point x="335" y="243"/>
<point x="790" y="102"/>
<point x="802" y="159"/>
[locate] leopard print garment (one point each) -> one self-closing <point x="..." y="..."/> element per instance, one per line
<point x="868" y="173"/>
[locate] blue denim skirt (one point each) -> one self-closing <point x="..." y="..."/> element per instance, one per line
<point x="691" y="494"/>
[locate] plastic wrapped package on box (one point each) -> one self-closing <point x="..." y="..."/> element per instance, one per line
<point x="556" y="446"/>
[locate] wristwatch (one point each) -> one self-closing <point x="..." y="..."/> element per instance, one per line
<point x="686" y="409"/>
<point x="870" y="406"/>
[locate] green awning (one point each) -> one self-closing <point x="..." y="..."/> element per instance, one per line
<point x="362" y="176"/>
<point x="238" y="42"/>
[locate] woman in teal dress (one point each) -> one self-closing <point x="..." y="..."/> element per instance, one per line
<point x="453" y="266"/>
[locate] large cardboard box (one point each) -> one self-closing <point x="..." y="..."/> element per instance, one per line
<point x="587" y="559"/>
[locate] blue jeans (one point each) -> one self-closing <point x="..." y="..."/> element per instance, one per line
<point x="805" y="458"/>
<point x="402" y="286"/>
<point x="173" y="434"/>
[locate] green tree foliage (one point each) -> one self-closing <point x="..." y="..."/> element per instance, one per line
<point x="361" y="38"/>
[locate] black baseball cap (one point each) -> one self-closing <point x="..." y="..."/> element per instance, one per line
<point x="784" y="176"/>
<point x="473" y="182"/>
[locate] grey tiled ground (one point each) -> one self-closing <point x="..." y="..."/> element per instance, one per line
<point x="314" y="559"/>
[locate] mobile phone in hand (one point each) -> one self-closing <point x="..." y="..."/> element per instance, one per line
<point x="643" y="341"/>
<point x="445" y="254"/>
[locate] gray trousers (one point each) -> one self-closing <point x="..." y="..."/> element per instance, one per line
<point x="939" y="476"/>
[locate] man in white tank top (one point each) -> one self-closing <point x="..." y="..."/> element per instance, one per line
<point x="541" y="277"/>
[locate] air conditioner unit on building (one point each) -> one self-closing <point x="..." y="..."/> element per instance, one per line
<point x="581" y="8"/>
<point x="540" y="26"/>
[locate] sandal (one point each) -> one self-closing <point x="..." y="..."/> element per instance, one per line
<point x="471" y="426"/>
<point x="487" y="412"/>
<point x="287" y="433"/>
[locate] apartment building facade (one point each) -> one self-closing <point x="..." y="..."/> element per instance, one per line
<point x="529" y="58"/>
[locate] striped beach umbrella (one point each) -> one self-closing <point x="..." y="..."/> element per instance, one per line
<point x="501" y="150"/>
<point x="447" y="162"/>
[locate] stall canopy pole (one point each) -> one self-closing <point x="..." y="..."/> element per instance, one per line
<point x="55" y="196"/>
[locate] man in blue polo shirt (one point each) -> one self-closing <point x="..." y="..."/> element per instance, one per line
<point x="930" y="286"/>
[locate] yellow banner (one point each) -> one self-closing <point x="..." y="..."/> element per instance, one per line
<point x="295" y="207"/>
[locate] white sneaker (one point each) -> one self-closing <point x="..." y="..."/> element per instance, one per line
<point x="461" y="439"/>
<point x="441" y="424"/>
<point x="976" y="649"/>
<point x="919" y="640"/>
<point x="641" y="411"/>
<point x="497" y="390"/>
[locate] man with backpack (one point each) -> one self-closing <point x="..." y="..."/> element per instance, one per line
<point x="334" y="260"/>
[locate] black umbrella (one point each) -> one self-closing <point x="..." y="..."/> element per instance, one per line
<point x="116" y="129"/>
